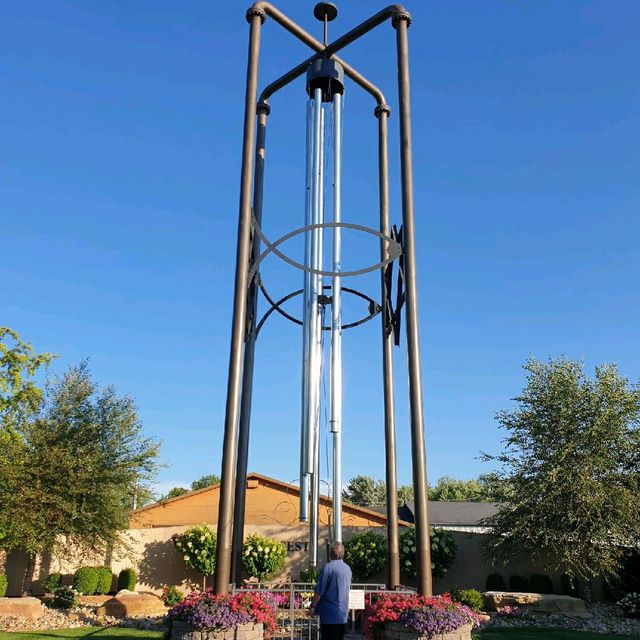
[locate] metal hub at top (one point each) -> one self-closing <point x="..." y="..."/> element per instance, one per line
<point x="325" y="11"/>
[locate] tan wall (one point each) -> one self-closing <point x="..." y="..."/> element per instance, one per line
<point x="158" y="564"/>
<point x="268" y="503"/>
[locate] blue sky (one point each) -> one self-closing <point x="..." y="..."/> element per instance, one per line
<point x="120" y="131"/>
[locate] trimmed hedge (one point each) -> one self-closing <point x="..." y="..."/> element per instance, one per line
<point x="495" y="582"/>
<point x="541" y="583"/>
<point x="519" y="583"/>
<point x="471" y="598"/>
<point x="4" y="583"/>
<point x="569" y="586"/>
<point x="52" y="582"/>
<point x="85" y="581"/>
<point x="105" y="578"/>
<point x="127" y="579"/>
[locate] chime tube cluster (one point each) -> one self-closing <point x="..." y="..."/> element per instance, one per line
<point x="322" y="91"/>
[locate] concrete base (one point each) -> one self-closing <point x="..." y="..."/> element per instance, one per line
<point x="249" y="631"/>
<point x="535" y="602"/>
<point x="131" y="605"/>
<point x="29" y="608"/>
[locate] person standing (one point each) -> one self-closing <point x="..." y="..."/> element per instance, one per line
<point x="331" y="598"/>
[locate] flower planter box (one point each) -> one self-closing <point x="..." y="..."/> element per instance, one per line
<point x="396" y="631"/>
<point x="249" y="631"/>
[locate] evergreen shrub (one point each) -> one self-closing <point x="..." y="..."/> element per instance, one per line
<point x="495" y="582"/>
<point x="127" y="579"/>
<point x="85" y="581"/>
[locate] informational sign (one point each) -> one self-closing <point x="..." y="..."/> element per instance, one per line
<point x="356" y="599"/>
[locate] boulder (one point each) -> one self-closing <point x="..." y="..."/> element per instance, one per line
<point x="29" y="608"/>
<point x="132" y="604"/>
<point x="535" y="602"/>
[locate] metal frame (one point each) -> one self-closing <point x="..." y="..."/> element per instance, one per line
<point x="243" y="333"/>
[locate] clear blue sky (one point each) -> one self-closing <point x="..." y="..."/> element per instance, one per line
<point x="120" y="131"/>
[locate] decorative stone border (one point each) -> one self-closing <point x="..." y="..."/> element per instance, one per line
<point x="248" y="631"/>
<point x="396" y="631"/>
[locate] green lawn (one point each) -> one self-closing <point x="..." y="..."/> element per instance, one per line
<point x="547" y="634"/>
<point x="103" y="633"/>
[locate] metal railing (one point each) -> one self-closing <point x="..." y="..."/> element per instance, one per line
<point x="291" y="602"/>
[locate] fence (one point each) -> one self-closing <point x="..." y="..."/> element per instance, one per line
<point x="291" y="606"/>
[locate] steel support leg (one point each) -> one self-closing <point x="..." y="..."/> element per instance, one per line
<point x="242" y="464"/>
<point x="423" y="551"/>
<point x="393" y="552"/>
<point x="225" y="510"/>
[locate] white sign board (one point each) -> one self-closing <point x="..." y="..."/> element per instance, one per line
<point x="356" y="599"/>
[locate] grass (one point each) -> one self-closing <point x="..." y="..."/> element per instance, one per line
<point x="547" y="634"/>
<point x="101" y="633"/>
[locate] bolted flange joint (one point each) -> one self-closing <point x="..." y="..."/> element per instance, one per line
<point x="263" y="107"/>
<point x="380" y="109"/>
<point x="255" y="11"/>
<point x="399" y="17"/>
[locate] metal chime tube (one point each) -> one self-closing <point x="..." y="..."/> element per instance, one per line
<point x="312" y="325"/>
<point x="335" y="416"/>
<point x="306" y="329"/>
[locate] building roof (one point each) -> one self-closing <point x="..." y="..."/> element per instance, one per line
<point x="446" y="512"/>
<point x="269" y="502"/>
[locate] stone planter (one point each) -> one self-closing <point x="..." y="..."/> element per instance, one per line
<point x="396" y="631"/>
<point x="248" y="631"/>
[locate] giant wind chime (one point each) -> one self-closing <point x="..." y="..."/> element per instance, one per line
<point x="323" y="289"/>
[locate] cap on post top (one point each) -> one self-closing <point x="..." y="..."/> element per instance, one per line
<point x="327" y="75"/>
<point x="326" y="10"/>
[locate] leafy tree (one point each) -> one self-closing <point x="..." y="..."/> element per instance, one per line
<point x="572" y="463"/>
<point x="176" y="492"/>
<point x="454" y="489"/>
<point x="365" y="491"/>
<point x="405" y="494"/>
<point x="79" y="458"/>
<point x="205" y="481"/>
<point x="20" y="397"/>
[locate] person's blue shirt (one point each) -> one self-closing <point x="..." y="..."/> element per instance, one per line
<point x="333" y="587"/>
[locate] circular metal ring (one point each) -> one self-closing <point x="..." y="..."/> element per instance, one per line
<point x="374" y="307"/>
<point x="394" y="250"/>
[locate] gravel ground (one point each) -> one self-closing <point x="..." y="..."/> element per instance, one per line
<point x="604" y="618"/>
<point x="83" y="616"/>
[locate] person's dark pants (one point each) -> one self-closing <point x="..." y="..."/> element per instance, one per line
<point x="332" y="631"/>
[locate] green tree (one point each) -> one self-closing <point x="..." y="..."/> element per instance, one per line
<point x="405" y="494"/>
<point x="572" y="462"/>
<point x="20" y="400"/>
<point x="365" y="491"/>
<point x="175" y="492"/>
<point x="205" y="481"/>
<point x="80" y="458"/>
<point x="455" y="489"/>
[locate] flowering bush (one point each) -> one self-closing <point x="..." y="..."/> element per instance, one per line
<point x="263" y="557"/>
<point x="366" y="554"/>
<point x="281" y="599"/>
<point x="429" y="616"/>
<point x="443" y="551"/>
<point x="205" y="610"/>
<point x="171" y="596"/>
<point x="630" y="605"/>
<point x="198" y="548"/>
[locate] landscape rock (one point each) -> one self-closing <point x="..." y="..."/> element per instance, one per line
<point x="29" y="608"/>
<point x="132" y="604"/>
<point x="535" y="602"/>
